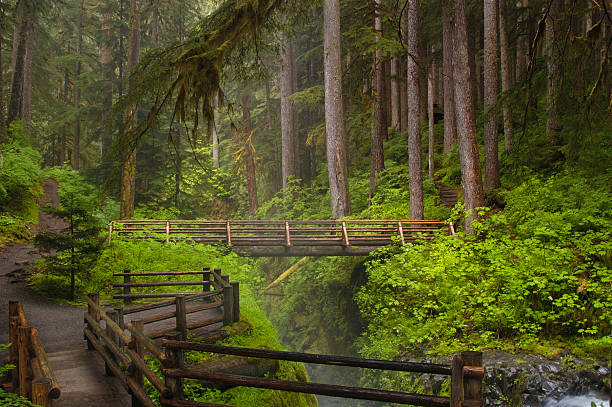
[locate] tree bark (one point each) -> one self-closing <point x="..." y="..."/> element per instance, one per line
<point x="26" y="102"/>
<point x="553" y="54"/>
<point x="450" y="126"/>
<point x="14" y="108"/>
<point x="76" y="144"/>
<point x="107" y="78"/>
<point x="3" y="137"/>
<point x="395" y="94"/>
<point x="403" y="97"/>
<point x="249" y="161"/>
<point x="379" y="128"/>
<point x="466" y="124"/>
<point x="521" y="42"/>
<point x="491" y="89"/>
<point x="334" y="120"/>
<point x="294" y="110"/>
<point x="268" y="105"/>
<point x="128" y="179"/>
<point x="431" y="87"/>
<point x="287" y="116"/>
<point x="215" y="137"/>
<point x="506" y="75"/>
<point x="414" y="115"/>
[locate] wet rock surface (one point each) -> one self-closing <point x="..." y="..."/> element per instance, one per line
<point x="531" y="380"/>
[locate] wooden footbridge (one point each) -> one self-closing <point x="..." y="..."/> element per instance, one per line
<point x="263" y="238"/>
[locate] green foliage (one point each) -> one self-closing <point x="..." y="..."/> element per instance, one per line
<point x="80" y="243"/>
<point x="11" y="399"/>
<point x="541" y="269"/>
<point x="19" y="179"/>
<point x="297" y="201"/>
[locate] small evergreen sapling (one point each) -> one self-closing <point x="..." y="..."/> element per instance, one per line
<point x="79" y="244"/>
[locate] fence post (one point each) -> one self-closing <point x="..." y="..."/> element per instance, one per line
<point x="228" y="304"/>
<point x="14" y="352"/>
<point x="137" y="374"/>
<point x="93" y="312"/>
<point x="127" y="290"/>
<point x="236" y="297"/>
<point x="25" y="369"/>
<point x="181" y="317"/>
<point x="40" y="392"/>
<point x="472" y="382"/>
<point x="167" y="231"/>
<point x="456" y="381"/>
<point x="175" y="360"/>
<point x="111" y="335"/>
<point x="119" y="321"/>
<point x="206" y="276"/>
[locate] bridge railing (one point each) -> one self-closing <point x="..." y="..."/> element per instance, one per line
<point x="466" y="374"/>
<point x="32" y="375"/>
<point x="283" y="232"/>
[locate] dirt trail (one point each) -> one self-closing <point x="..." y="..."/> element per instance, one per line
<point x="80" y="372"/>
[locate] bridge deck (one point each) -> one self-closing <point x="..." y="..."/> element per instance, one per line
<point x="286" y="237"/>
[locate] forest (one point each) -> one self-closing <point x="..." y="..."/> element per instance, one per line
<point x="491" y="116"/>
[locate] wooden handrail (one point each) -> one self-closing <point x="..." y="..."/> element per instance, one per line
<point x="32" y="376"/>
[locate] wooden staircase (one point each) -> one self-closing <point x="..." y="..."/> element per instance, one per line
<point x="448" y="196"/>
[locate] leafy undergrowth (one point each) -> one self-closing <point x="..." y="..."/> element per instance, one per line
<point x="535" y="276"/>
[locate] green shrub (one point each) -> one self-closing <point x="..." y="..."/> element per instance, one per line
<point x="19" y="179"/>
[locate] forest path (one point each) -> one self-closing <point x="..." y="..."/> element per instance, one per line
<point x="448" y="196"/>
<point x="80" y="373"/>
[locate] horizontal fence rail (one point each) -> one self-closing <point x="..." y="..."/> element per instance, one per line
<point x="267" y="237"/>
<point x="32" y="376"/>
<point x="466" y="373"/>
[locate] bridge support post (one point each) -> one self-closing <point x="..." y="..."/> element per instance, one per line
<point x="25" y="368"/>
<point x="175" y="360"/>
<point x="473" y="374"/>
<point x="40" y="392"/>
<point x="206" y="274"/>
<point x="228" y="304"/>
<point x="236" y="297"/>
<point x="181" y="317"/>
<point x="456" y="396"/>
<point x="14" y="353"/>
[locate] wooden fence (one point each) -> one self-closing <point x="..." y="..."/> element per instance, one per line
<point x="285" y="237"/>
<point x="32" y="377"/>
<point x="466" y="374"/>
<point x="123" y="347"/>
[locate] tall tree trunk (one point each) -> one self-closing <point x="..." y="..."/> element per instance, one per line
<point x="377" y="162"/>
<point x="466" y="123"/>
<point x="431" y="87"/>
<point x="403" y="96"/>
<point x="268" y="105"/>
<point x="440" y="100"/>
<point x="3" y="138"/>
<point x="334" y="120"/>
<point x="14" y="108"/>
<point x="128" y="179"/>
<point x="64" y="98"/>
<point x="76" y="146"/>
<point x="26" y="102"/>
<point x="395" y="94"/>
<point x="521" y="42"/>
<point x="215" y="137"/>
<point x="249" y="161"/>
<point x="414" y="115"/>
<point x="491" y="89"/>
<point x="506" y="76"/>
<point x="287" y="116"/>
<point x="294" y="111"/>
<point x="107" y="78"/>
<point x="553" y="55"/>
<point x="450" y="126"/>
